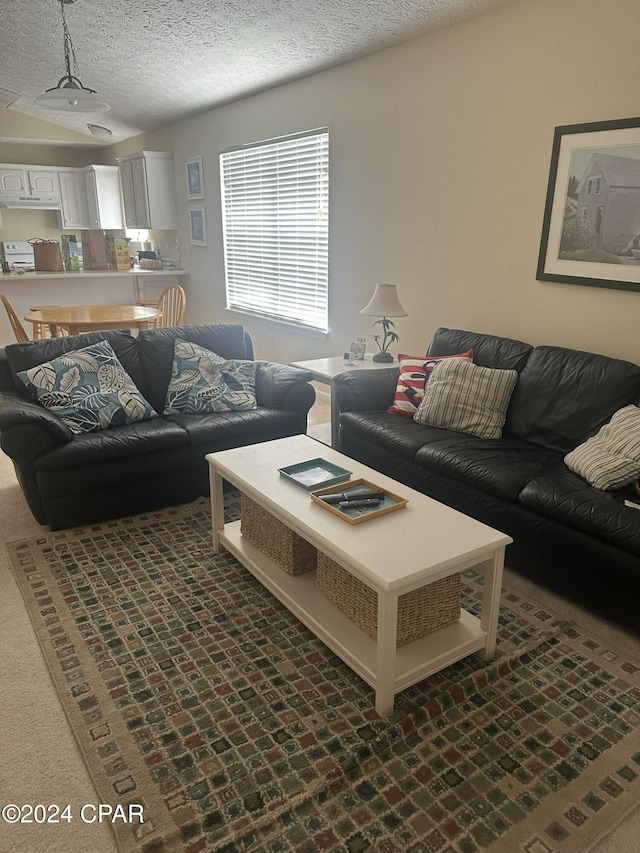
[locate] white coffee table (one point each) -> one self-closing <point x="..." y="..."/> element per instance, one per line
<point x="393" y="554"/>
<point x="326" y="369"/>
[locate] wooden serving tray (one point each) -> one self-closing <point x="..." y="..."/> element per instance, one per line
<point x="357" y="515"/>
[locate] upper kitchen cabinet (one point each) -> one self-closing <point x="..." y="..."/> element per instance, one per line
<point x="74" y="211"/>
<point x="25" y="183"/>
<point x="148" y="191"/>
<point x="103" y="196"/>
<point x="90" y="198"/>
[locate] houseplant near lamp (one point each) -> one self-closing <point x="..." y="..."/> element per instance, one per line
<point x="384" y="304"/>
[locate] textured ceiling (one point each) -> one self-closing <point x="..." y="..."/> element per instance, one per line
<point x="156" y="61"/>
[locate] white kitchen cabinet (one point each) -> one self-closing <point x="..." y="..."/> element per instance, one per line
<point x="148" y="190"/>
<point x="103" y="197"/>
<point x="24" y="181"/>
<point x="74" y="212"/>
<point x="90" y="198"/>
<point x="13" y="181"/>
<point x="44" y="182"/>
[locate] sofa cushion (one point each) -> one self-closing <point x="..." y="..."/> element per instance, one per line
<point x="610" y="459"/>
<point x="488" y="350"/>
<point x="564" y="396"/>
<point x="88" y="389"/>
<point x="501" y="467"/>
<point x="125" y="442"/>
<point x="233" y="429"/>
<point x="228" y="340"/>
<point x="397" y="435"/>
<point x="204" y="382"/>
<point x="415" y="371"/>
<point x="465" y="397"/>
<point x="567" y="498"/>
<point x="26" y="355"/>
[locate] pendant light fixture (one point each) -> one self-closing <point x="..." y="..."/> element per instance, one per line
<point x="69" y="94"/>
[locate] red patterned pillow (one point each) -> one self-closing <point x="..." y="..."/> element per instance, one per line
<point x="414" y="374"/>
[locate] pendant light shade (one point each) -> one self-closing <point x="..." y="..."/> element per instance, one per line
<point x="69" y="94"/>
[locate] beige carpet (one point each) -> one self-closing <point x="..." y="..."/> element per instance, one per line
<point x="40" y="760"/>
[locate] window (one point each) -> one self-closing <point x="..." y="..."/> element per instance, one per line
<point x="593" y="185"/>
<point x="275" y="214"/>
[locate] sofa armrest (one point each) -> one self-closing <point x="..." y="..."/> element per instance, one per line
<point x="28" y="429"/>
<point x="365" y="390"/>
<point x="279" y="386"/>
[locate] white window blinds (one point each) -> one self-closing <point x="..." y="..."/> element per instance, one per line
<point x="275" y="210"/>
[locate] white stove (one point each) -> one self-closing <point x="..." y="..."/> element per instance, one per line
<point x="18" y="254"/>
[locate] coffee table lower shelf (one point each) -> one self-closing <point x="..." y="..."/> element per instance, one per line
<point x="300" y="595"/>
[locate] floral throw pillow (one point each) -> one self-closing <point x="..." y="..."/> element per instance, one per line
<point x="203" y="382"/>
<point x="88" y="389"/>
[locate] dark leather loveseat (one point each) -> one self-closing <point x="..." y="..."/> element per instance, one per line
<point x="70" y="479"/>
<point x="582" y="541"/>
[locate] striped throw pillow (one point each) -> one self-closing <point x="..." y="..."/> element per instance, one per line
<point x="611" y="458"/>
<point x="415" y="371"/>
<point x="465" y="397"/>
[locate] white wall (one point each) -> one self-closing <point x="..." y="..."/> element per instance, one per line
<point x="440" y="151"/>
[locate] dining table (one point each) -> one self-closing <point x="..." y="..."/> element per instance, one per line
<point x="73" y="319"/>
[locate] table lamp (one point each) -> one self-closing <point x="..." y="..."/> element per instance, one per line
<point x="384" y="304"/>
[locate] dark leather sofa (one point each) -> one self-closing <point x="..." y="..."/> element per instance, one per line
<point x="71" y="479"/>
<point x="568" y="535"/>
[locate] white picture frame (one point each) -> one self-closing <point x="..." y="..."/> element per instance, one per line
<point x="197" y="226"/>
<point x="195" y="178"/>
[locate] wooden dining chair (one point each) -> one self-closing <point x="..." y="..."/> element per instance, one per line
<point x="172" y="303"/>
<point x="16" y="325"/>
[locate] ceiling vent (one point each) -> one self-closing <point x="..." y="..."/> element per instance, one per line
<point x="7" y="98"/>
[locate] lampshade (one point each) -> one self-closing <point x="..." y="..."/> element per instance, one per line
<point x="69" y="94"/>
<point x="72" y="96"/>
<point x="384" y="303"/>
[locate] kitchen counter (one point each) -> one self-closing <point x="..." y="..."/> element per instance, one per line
<point x="82" y="287"/>
<point x="69" y="274"/>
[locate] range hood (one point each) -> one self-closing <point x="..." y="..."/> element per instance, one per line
<point x="30" y="202"/>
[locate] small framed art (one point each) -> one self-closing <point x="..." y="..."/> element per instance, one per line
<point x="195" y="178"/>
<point x="197" y="226"/>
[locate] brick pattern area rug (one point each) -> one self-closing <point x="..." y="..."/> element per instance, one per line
<point x="193" y="692"/>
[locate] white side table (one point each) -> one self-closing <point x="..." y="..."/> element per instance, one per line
<point x="326" y="369"/>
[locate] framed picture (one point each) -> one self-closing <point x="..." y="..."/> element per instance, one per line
<point x="591" y="226"/>
<point x="195" y="178"/>
<point x="357" y="349"/>
<point x="197" y="226"/>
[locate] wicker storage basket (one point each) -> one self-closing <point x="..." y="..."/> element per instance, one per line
<point x="420" y="612"/>
<point x="288" y="550"/>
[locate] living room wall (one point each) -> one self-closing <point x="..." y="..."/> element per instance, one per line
<point x="440" y="153"/>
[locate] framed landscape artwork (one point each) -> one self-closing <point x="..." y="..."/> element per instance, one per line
<point x="197" y="226"/>
<point x="591" y="226"/>
<point x="195" y="179"/>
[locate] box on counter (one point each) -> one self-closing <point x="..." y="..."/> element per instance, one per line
<point x="101" y="251"/>
<point x="118" y="253"/>
<point x="69" y="249"/>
